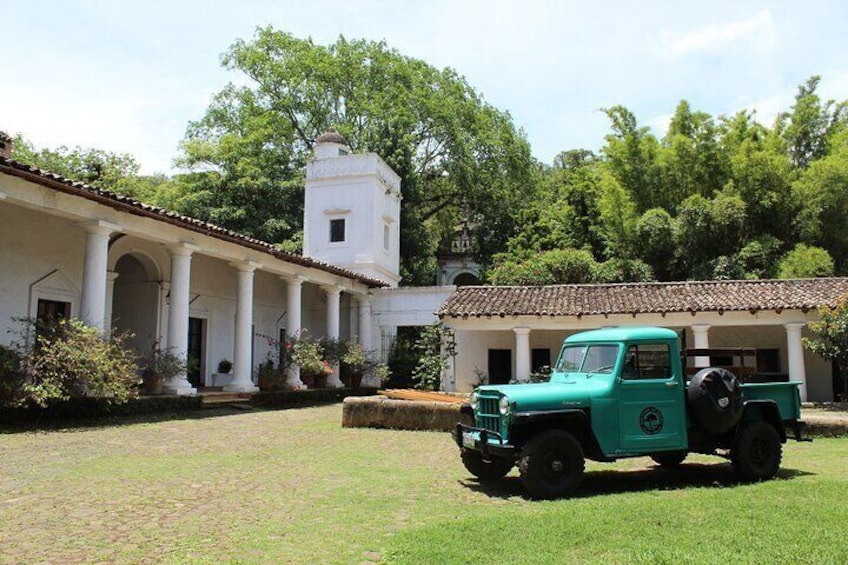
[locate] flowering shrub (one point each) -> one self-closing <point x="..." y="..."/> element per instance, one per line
<point x="308" y="354"/>
<point x="70" y="359"/>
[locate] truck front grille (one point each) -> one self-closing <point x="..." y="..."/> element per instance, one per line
<point x="488" y="414"/>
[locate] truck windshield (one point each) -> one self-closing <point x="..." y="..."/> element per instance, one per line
<point x="587" y="359"/>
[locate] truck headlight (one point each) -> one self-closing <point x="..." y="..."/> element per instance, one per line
<point x="472" y="400"/>
<point x="503" y="406"/>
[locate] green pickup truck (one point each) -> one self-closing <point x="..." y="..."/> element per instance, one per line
<point x="624" y="392"/>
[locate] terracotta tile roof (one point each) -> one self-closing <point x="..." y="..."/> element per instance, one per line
<point x="644" y="298"/>
<point x="132" y="206"/>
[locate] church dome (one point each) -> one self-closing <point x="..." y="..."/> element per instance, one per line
<point x="331" y="136"/>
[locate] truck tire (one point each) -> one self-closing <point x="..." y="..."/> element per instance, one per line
<point x="756" y="452"/>
<point x="551" y="464"/>
<point x="669" y="459"/>
<point x="485" y="471"/>
<point x="715" y="399"/>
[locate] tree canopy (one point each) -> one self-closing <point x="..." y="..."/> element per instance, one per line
<point x="713" y="198"/>
<point x="459" y="158"/>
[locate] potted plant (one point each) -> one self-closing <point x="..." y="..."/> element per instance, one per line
<point x="161" y="364"/>
<point x="354" y="363"/>
<point x="225" y="366"/>
<point x="309" y="355"/>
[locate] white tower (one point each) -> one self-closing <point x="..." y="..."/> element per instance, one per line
<point x="351" y="215"/>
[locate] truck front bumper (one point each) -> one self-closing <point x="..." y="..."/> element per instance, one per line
<point x="488" y="443"/>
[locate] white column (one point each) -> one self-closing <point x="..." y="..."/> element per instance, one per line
<point x="178" y="314"/>
<point x="242" y="367"/>
<point x="522" y="354"/>
<point x="93" y="303"/>
<point x="111" y="276"/>
<point x="365" y="337"/>
<point x="334" y="297"/>
<point x="294" y="286"/>
<point x="795" y="350"/>
<point x="702" y="341"/>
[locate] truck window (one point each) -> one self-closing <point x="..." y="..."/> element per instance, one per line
<point x="587" y="359"/>
<point x="649" y="361"/>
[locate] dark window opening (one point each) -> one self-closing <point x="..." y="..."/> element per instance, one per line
<point x="768" y="360"/>
<point x="337" y="230"/>
<point x="196" y="327"/>
<point x="500" y="366"/>
<point x="51" y="311"/>
<point x="540" y="358"/>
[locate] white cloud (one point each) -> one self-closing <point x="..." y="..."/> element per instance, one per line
<point x="758" y="30"/>
<point x="659" y="124"/>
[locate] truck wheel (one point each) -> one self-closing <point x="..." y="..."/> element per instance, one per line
<point x="491" y="470"/>
<point x="669" y="458"/>
<point x="551" y="464"/>
<point x="756" y="452"/>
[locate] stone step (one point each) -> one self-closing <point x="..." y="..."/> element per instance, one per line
<point x="230" y="398"/>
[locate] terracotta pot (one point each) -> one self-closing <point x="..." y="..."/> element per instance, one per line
<point x="308" y="380"/>
<point x="153" y="383"/>
<point x="320" y="381"/>
<point x="355" y="381"/>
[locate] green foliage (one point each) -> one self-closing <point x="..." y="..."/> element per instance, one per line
<point x="558" y="266"/>
<point x="435" y="346"/>
<point x="830" y="339"/>
<point x="805" y="262"/>
<point x="68" y="359"/>
<point x="95" y="167"/>
<point x="163" y="362"/>
<point x="456" y="155"/>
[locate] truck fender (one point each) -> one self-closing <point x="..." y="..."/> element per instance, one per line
<point x="576" y="422"/>
<point x="763" y="410"/>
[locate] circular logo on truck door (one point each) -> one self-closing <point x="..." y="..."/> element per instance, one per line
<point x="651" y="421"/>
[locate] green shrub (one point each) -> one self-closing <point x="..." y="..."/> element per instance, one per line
<point x="805" y="262"/>
<point x="70" y="359"/>
<point x="11" y="379"/>
<point x="435" y="346"/>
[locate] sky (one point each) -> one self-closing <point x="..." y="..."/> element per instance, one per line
<point x="128" y="76"/>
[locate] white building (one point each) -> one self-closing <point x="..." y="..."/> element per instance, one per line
<point x="69" y="249"/>
<point x="505" y="333"/>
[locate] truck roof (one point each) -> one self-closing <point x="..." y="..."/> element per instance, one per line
<point x="634" y="333"/>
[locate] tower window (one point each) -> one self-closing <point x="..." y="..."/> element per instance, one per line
<point x="386" y="236"/>
<point x="337" y="230"/>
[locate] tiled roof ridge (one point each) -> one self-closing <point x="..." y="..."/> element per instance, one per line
<point x="646" y="298"/>
<point x="138" y="207"/>
<point x="653" y="283"/>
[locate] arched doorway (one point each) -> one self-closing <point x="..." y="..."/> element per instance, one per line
<point x="135" y="302"/>
<point x="466" y="279"/>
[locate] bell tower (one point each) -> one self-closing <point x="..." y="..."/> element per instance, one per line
<point x="351" y="213"/>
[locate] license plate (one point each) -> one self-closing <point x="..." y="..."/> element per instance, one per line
<point x="468" y="440"/>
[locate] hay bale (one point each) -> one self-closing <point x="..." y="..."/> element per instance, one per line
<point x="380" y="412"/>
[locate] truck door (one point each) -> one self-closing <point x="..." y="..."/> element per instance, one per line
<point x="651" y="401"/>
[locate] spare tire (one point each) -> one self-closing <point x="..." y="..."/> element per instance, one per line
<point x="715" y="399"/>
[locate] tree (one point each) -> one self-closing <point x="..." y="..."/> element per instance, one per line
<point x="557" y="266"/>
<point x="811" y="124"/>
<point x="821" y="194"/>
<point x="805" y="262"/>
<point x="95" y="167"/>
<point x="458" y="157"/>
<point x="830" y="339"/>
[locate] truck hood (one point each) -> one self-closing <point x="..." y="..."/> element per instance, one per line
<point x="556" y="395"/>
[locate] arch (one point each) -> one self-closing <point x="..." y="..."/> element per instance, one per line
<point x="151" y="256"/>
<point x="465" y="278"/>
<point x="136" y="300"/>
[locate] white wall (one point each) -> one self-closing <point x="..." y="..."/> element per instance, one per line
<point x="32" y="245"/>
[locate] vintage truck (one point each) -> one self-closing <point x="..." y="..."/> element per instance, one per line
<point x="624" y="392"/>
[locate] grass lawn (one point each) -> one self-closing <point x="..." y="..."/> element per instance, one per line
<point x="292" y="486"/>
